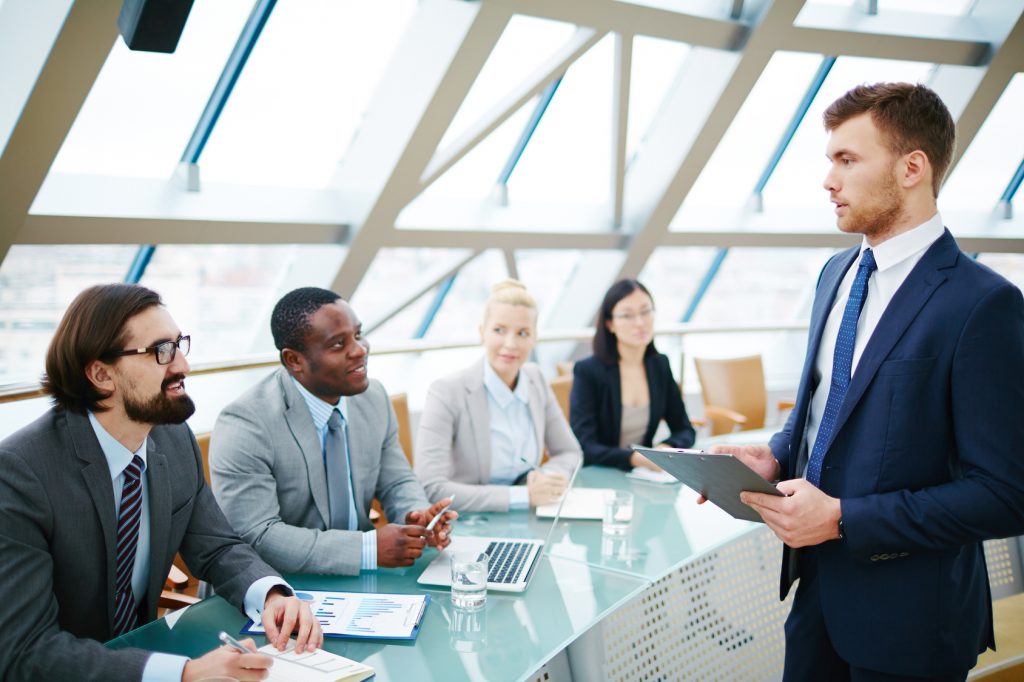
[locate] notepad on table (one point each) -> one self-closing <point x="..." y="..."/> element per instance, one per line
<point x="313" y="666"/>
<point x="583" y="503"/>
<point x="361" y="615"/>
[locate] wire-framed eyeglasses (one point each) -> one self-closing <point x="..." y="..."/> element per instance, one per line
<point x="164" y="351"/>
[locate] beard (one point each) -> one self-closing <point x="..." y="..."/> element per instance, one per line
<point x="160" y="409"/>
<point x="877" y="219"/>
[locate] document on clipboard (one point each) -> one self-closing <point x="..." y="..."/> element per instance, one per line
<point x="719" y="477"/>
<point x="361" y="615"/>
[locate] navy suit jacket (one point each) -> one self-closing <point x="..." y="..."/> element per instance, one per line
<point x="926" y="460"/>
<point x="595" y="409"/>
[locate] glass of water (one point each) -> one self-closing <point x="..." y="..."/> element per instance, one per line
<point x="469" y="579"/>
<point x="618" y="513"/>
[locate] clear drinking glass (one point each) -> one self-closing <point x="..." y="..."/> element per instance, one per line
<point x="469" y="579"/>
<point x="618" y="513"/>
<point x="467" y="630"/>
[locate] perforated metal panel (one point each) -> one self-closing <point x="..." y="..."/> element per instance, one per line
<point x="717" y="618"/>
<point x="1004" y="567"/>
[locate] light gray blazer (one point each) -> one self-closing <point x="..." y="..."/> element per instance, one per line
<point x="453" y="444"/>
<point x="268" y="474"/>
<point x="58" y="534"/>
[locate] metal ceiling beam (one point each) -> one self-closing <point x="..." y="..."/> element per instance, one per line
<point x="1006" y="61"/>
<point x="50" y="229"/>
<point x="500" y="239"/>
<point x="532" y="86"/>
<point x="66" y="78"/>
<point x="718" y="32"/>
<point x="426" y="81"/>
<point x="620" y="120"/>
<point x="706" y="97"/>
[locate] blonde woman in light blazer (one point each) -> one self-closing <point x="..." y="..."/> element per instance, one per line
<point x="485" y="428"/>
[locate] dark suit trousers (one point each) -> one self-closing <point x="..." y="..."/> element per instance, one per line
<point x="810" y="656"/>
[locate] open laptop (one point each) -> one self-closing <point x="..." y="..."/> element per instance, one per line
<point x="512" y="560"/>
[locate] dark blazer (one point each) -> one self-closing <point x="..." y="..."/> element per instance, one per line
<point x="595" y="410"/>
<point x="926" y="461"/>
<point x="58" y="530"/>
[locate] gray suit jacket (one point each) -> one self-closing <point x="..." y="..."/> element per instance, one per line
<point x="58" y="531"/>
<point x="453" y="445"/>
<point x="267" y="469"/>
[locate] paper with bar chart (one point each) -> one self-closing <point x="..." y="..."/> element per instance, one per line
<point x="357" y="614"/>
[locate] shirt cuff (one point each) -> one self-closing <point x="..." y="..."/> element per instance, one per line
<point x="518" y="497"/>
<point x="164" y="668"/>
<point x="256" y="595"/>
<point x="369" y="562"/>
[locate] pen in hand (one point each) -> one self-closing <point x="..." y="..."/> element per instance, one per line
<point x="232" y="642"/>
<point x="433" y="521"/>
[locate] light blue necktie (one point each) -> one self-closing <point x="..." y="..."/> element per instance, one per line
<point x="339" y="493"/>
<point x="842" y="361"/>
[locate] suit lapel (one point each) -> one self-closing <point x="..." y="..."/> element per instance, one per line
<point x="615" y="382"/>
<point x="902" y="310"/>
<point x="159" y="489"/>
<point x="536" y="408"/>
<point x="656" y="394"/>
<point x="300" y="423"/>
<point x="479" y="417"/>
<point x="96" y="475"/>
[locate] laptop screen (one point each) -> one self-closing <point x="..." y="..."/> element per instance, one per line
<point x="561" y="503"/>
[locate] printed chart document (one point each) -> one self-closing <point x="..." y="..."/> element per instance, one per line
<point x="316" y="666"/>
<point x="364" y="615"/>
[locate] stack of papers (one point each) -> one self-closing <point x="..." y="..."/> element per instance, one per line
<point x="316" y="666"/>
<point x="645" y="474"/>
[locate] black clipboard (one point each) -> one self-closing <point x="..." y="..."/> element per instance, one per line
<point x="719" y="477"/>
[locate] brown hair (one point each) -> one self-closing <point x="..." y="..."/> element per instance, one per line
<point x="910" y="116"/>
<point x="92" y="325"/>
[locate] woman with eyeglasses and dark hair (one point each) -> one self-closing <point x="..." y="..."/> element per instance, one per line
<point x="625" y="389"/>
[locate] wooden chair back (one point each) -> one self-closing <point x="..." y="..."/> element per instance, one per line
<point x="735" y="386"/>
<point x="562" y="387"/>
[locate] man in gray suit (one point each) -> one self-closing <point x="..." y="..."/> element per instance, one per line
<point x="297" y="460"/>
<point x="97" y="496"/>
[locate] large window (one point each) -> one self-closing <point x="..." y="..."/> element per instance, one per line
<point x="37" y="283"/>
<point x="223" y="294"/>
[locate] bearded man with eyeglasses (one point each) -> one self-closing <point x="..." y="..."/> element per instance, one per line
<point x="100" y="493"/>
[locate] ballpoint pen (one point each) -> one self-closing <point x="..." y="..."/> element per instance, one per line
<point x="232" y="642"/>
<point x="433" y="521"/>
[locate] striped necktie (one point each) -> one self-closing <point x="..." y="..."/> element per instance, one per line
<point x="842" y="361"/>
<point x="125" y="613"/>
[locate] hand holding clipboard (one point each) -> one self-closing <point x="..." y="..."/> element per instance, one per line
<point x="720" y="477"/>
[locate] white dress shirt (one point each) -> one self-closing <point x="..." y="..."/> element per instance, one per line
<point x="514" y="449"/>
<point x="321" y="411"/>
<point x="895" y="258"/>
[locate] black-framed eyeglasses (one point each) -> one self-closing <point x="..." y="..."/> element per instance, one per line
<point x="164" y="351"/>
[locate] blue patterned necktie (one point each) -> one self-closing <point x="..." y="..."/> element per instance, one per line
<point x="339" y="493"/>
<point x="842" y="361"/>
<point x="128" y="517"/>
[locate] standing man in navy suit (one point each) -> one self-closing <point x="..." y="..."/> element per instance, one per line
<point x="904" y="450"/>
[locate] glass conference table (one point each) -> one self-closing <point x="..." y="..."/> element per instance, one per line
<point x="583" y="579"/>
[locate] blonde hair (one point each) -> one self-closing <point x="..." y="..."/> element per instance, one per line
<point x="512" y="292"/>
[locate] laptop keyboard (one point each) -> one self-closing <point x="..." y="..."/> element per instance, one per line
<point x="507" y="560"/>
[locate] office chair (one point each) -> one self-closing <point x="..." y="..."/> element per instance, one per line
<point x="735" y="397"/>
